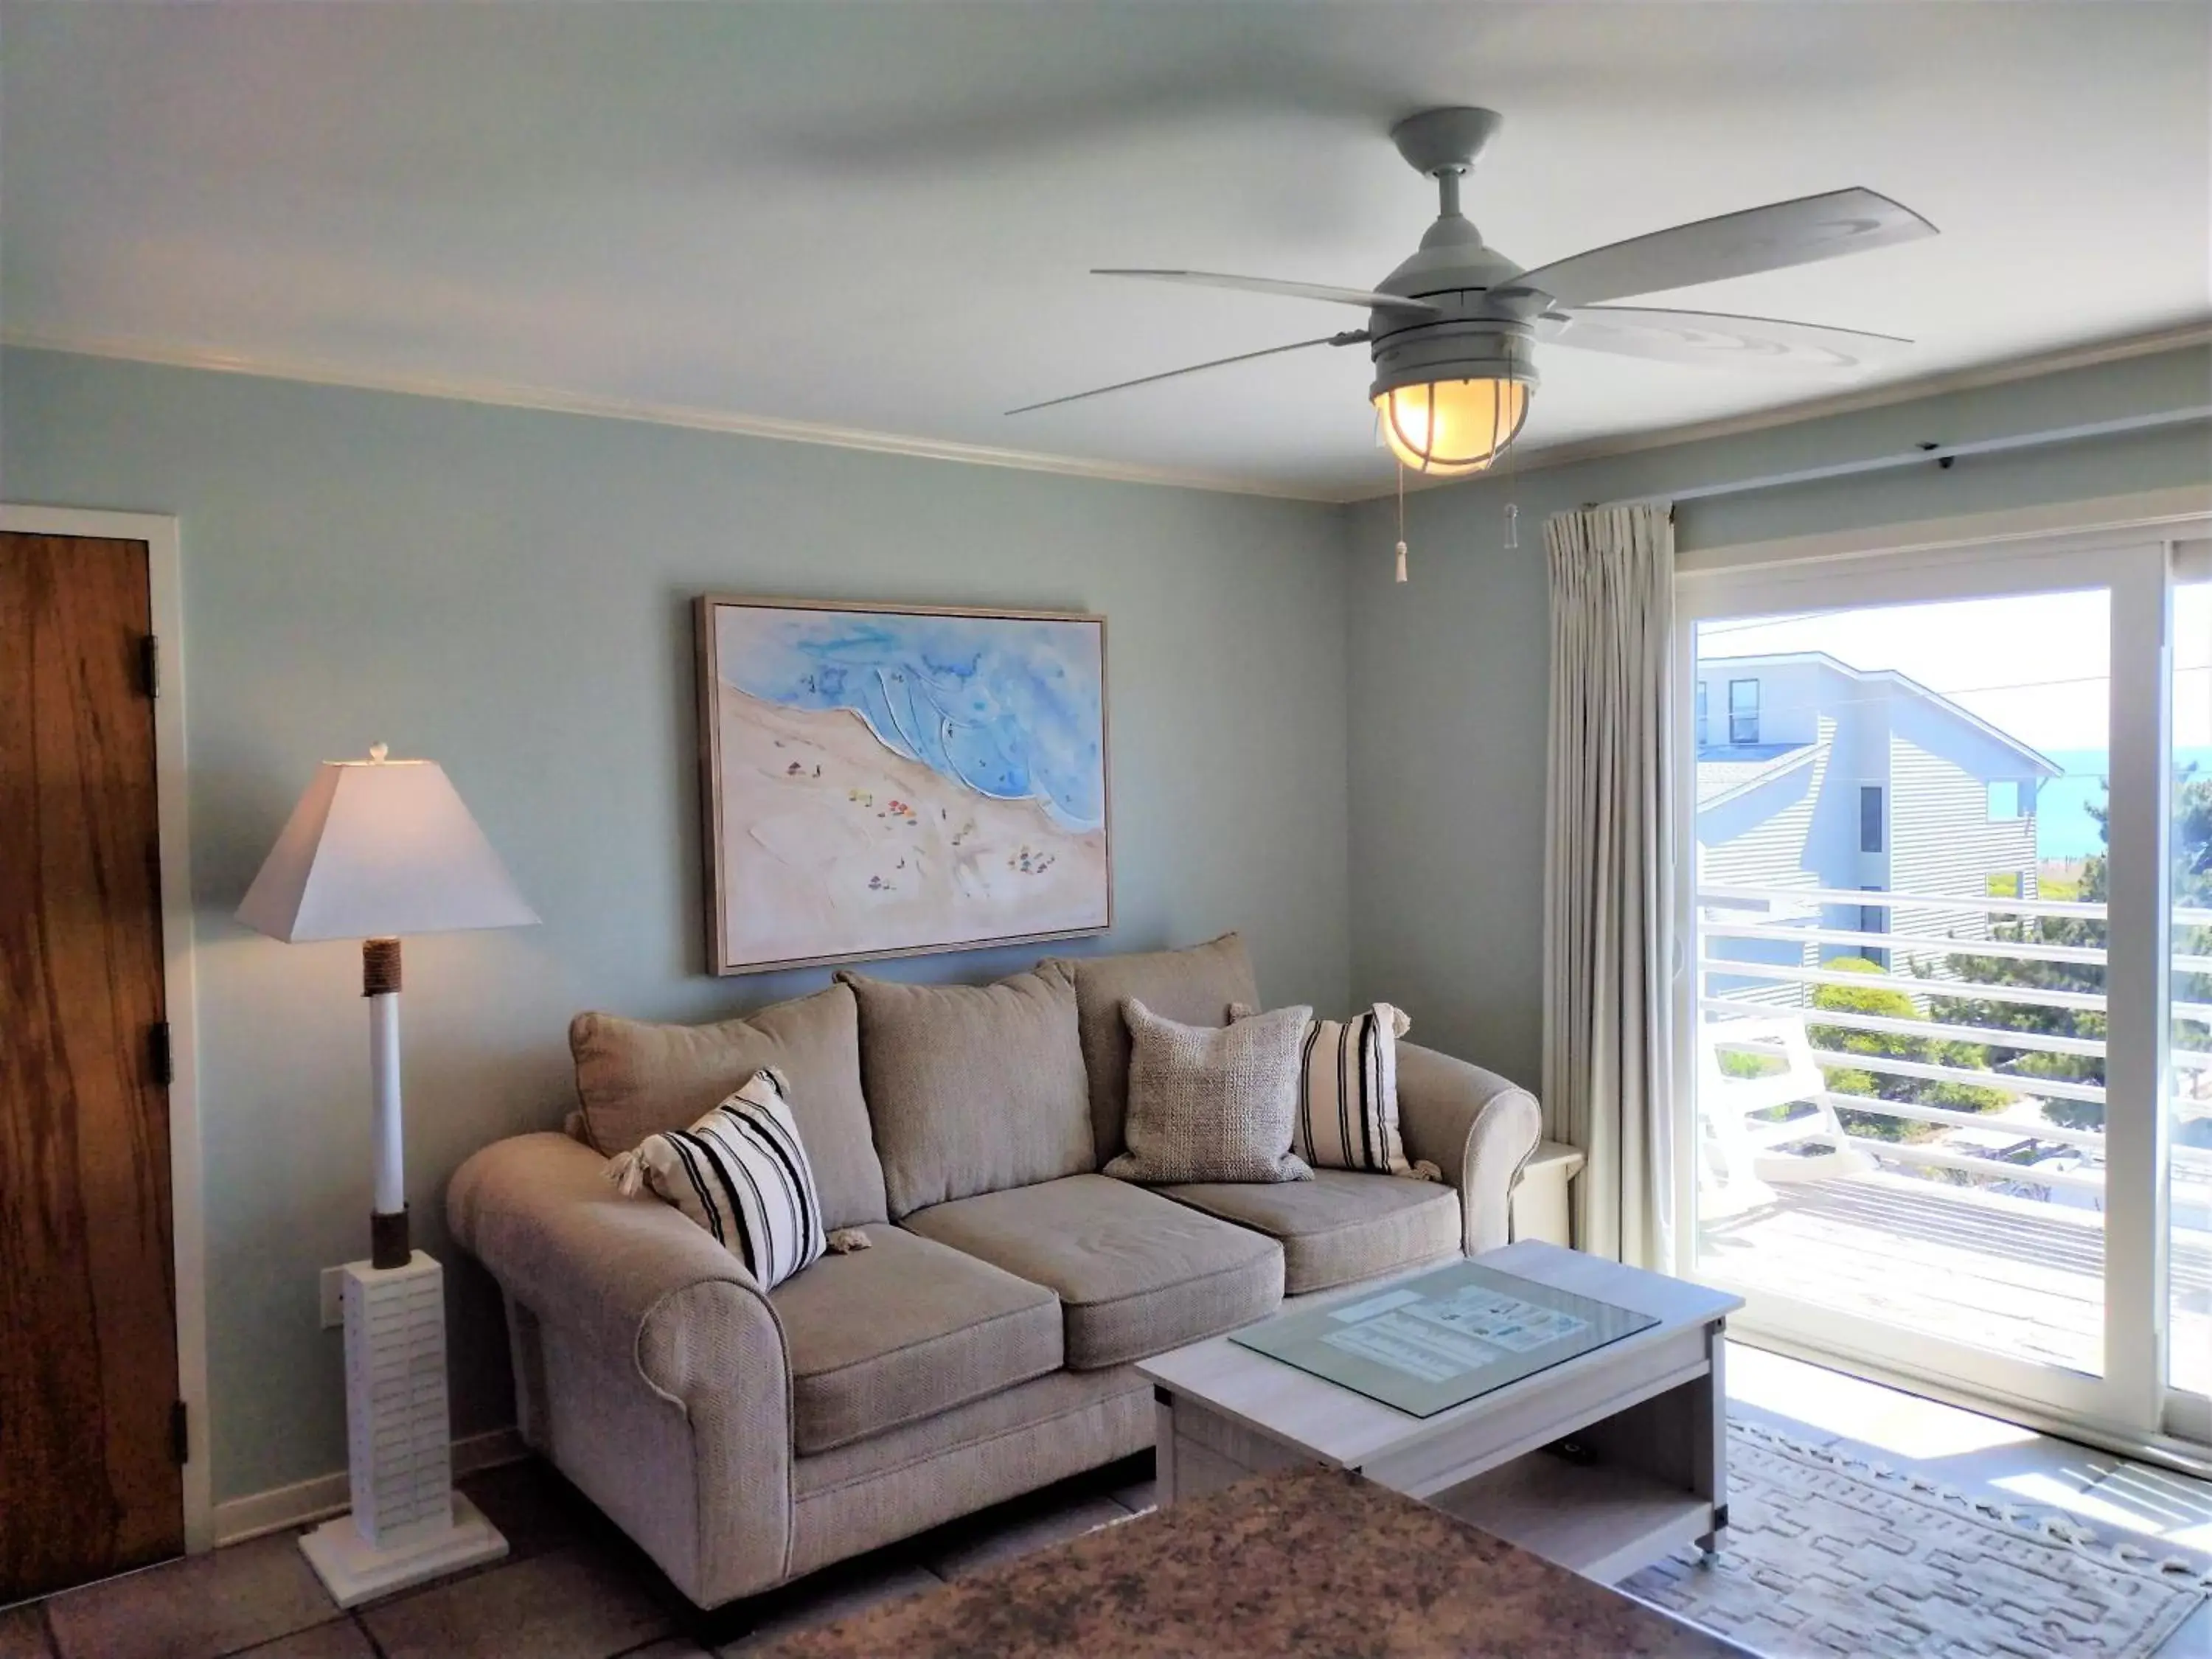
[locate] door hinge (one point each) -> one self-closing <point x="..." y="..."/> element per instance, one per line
<point x="180" y="1435"/>
<point x="149" y="664"/>
<point x="157" y="1048"/>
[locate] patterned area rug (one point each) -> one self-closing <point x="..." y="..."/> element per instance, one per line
<point x="1828" y="1555"/>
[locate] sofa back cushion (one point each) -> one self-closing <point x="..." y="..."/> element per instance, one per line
<point x="973" y="1088"/>
<point x="636" y="1079"/>
<point x="1192" y="986"/>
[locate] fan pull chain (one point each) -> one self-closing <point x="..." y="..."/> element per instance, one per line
<point x="1512" y="464"/>
<point x="1401" y="522"/>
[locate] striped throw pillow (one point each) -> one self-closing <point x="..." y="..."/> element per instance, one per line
<point x="740" y="1173"/>
<point x="1347" y="1115"/>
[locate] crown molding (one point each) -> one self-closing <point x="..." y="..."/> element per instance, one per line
<point x="695" y="417"/>
<point x="698" y="418"/>
<point x="1845" y="403"/>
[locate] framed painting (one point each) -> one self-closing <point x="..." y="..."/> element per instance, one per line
<point x="889" y="779"/>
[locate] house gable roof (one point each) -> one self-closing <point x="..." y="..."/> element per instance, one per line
<point x="1722" y="780"/>
<point x="2042" y="764"/>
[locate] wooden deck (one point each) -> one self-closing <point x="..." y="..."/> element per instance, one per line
<point x="2003" y="1273"/>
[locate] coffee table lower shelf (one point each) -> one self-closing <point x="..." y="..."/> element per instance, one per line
<point x="1641" y="1423"/>
<point x="1601" y="1520"/>
<point x="1601" y="1516"/>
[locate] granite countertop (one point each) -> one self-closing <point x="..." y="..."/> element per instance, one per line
<point x="1306" y="1562"/>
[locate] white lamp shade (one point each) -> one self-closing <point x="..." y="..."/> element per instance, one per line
<point x="376" y="849"/>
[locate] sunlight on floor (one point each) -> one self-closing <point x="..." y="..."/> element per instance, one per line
<point x="2077" y="1497"/>
<point x="1900" y="1424"/>
<point x="1967" y="1450"/>
<point x="2173" y="1506"/>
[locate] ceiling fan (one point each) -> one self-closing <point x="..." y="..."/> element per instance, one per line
<point x="1452" y="329"/>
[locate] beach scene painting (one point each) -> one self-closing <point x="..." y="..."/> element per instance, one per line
<point x="886" y="780"/>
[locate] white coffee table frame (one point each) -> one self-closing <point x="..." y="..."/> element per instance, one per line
<point x="1650" y="1409"/>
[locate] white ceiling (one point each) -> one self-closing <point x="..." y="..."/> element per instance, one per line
<point x="879" y="216"/>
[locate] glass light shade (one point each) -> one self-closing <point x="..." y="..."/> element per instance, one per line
<point x="1445" y="428"/>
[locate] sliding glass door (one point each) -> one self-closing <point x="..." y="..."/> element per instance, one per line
<point x="2189" y="1119"/>
<point x="1937" y="1111"/>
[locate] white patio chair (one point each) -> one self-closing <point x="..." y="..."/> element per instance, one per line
<point x="1743" y="1152"/>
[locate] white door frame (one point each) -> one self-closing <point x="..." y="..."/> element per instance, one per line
<point x="2131" y="1401"/>
<point x="187" y="1198"/>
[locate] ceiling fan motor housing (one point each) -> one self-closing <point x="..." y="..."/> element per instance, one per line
<point x="1480" y="326"/>
<point x="1486" y="348"/>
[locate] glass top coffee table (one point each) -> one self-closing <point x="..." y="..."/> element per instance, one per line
<point x="1449" y="1384"/>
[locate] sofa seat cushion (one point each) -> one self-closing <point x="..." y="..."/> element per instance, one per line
<point x="1341" y="1226"/>
<point x="903" y="1330"/>
<point x="1136" y="1275"/>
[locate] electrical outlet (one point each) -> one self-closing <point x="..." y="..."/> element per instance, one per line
<point x="333" y="1283"/>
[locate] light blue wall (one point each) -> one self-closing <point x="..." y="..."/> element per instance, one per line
<point x="1449" y="674"/>
<point x="508" y="592"/>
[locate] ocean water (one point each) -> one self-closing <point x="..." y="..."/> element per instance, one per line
<point x="1008" y="707"/>
<point x="2064" y="828"/>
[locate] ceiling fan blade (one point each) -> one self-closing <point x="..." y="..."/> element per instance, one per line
<point x="1354" y="337"/>
<point x="1715" y="339"/>
<point x="1768" y="238"/>
<point x="1365" y="299"/>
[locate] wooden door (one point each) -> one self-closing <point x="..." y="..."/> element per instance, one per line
<point x="90" y="1476"/>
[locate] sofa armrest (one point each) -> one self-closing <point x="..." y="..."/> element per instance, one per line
<point x="1475" y="1127"/>
<point x="665" y="1365"/>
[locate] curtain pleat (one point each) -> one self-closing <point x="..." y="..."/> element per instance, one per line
<point x="1608" y="874"/>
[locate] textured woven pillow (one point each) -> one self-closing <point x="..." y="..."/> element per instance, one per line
<point x="1211" y="1103"/>
<point x="1195" y="986"/>
<point x="1347" y="1111"/>
<point x="740" y="1173"/>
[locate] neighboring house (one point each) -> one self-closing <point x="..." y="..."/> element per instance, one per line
<point x="1813" y="775"/>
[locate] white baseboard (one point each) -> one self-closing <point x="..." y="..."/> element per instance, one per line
<point x="237" y="1519"/>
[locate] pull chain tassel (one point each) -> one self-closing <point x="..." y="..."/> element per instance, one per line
<point x="1401" y="522"/>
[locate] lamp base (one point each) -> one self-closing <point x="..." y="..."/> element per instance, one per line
<point x="354" y="1571"/>
<point x="407" y="1522"/>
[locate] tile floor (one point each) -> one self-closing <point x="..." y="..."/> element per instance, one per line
<point x="573" y="1588"/>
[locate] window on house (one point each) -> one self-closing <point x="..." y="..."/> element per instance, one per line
<point x="1743" y="711"/>
<point x="2005" y="800"/>
<point x="1701" y="714"/>
<point x="1870" y="818"/>
<point x="1874" y="918"/>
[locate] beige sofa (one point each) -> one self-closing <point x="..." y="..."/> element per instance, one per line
<point x="982" y="1346"/>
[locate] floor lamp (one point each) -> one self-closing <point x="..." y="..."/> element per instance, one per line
<point x="375" y="850"/>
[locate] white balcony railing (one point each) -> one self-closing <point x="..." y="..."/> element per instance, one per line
<point x="1921" y="952"/>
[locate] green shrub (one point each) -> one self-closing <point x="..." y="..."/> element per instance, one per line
<point x="1888" y="1002"/>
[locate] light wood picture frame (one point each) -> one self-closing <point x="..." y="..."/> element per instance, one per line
<point x="885" y="780"/>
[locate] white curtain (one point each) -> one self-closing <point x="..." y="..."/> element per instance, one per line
<point x="1608" y="874"/>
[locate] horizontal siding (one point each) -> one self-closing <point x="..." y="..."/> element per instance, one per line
<point x="1941" y="841"/>
<point x="1770" y="853"/>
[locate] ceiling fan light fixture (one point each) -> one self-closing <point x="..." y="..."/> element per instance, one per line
<point x="1448" y="428"/>
<point x="1451" y="329"/>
